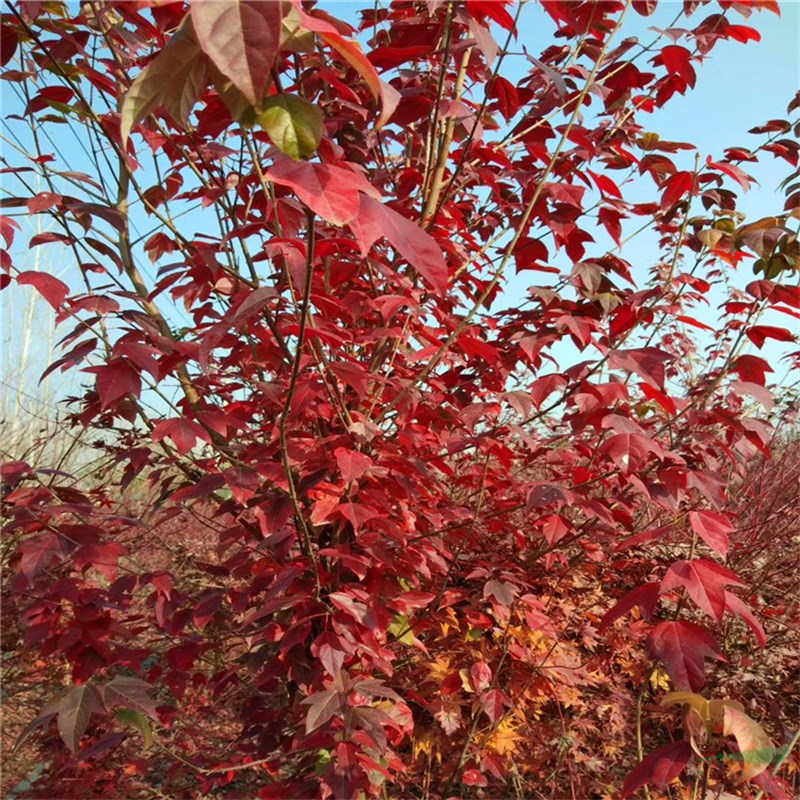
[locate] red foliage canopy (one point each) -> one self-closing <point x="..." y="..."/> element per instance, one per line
<point x="404" y="506"/>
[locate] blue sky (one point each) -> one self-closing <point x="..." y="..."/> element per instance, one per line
<point x="739" y="86"/>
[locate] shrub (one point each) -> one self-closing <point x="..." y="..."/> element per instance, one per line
<point x="397" y="517"/>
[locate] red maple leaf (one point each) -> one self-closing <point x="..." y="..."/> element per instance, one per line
<point x="683" y="647"/>
<point x="705" y="582"/>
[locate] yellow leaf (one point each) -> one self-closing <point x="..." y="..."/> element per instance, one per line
<point x="466" y="685"/>
<point x="710" y="237"/>
<point x="293" y="37"/>
<point x="439" y="668"/>
<point x="505" y="739"/>
<point x="696" y="701"/>
<point x="402" y="631"/>
<point x="659" y="679"/>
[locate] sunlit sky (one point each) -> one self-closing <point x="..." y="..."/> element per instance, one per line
<point x="738" y="86"/>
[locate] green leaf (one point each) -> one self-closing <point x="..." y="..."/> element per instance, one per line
<point x="64" y="108"/>
<point x="323" y="760"/>
<point x="293" y="124"/>
<point x="137" y="720"/>
<point x="174" y="79"/>
<point x="399" y="625"/>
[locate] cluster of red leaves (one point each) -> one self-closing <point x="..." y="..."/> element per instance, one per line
<point x="415" y="532"/>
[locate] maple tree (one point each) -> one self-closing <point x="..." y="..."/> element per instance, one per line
<point x="397" y="539"/>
